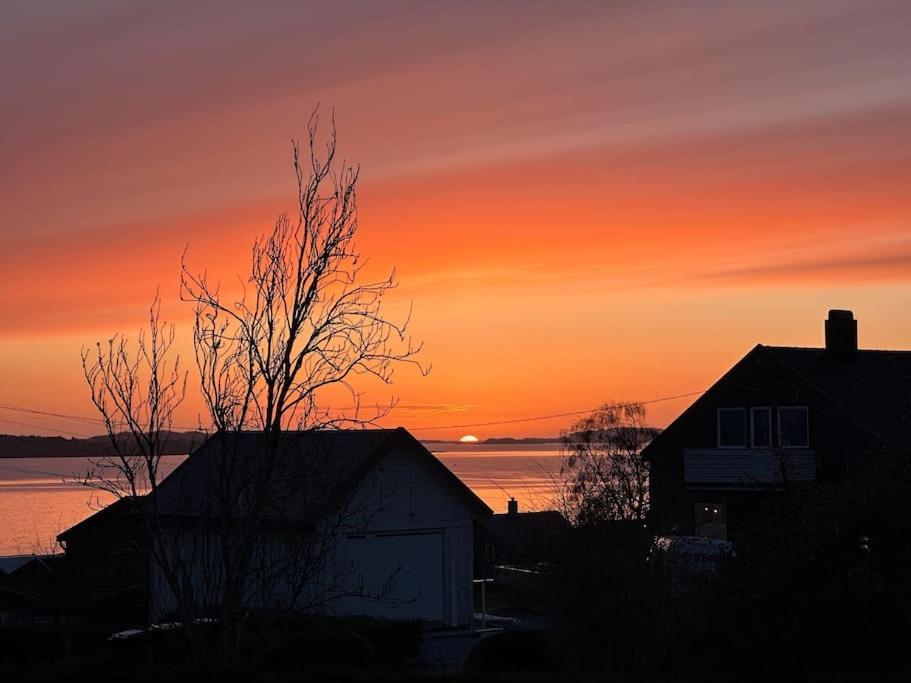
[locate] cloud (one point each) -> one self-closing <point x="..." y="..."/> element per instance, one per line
<point x="430" y="409"/>
<point x="893" y="264"/>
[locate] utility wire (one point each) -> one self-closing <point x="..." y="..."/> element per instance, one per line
<point x="537" y="418"/>
<point x="549" y="417"/>
<point x="34" y="426"/>
<point x="25" y="470"/>
<point x="20" y="409"/>
<point x="89" y="420"/>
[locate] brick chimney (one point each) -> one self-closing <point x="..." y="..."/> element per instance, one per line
<point x="512" y="507"/>
<point x="841" y="334"/>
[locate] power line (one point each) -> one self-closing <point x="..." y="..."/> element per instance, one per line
<point x="21" y="409"/>
<point x="45" y="413"/>
<point x="34" y="426"/>
<point x="24" y="470"/>
<point x="671" y="398"/>
<point x="552" y="416"/>
<point x="536" y="418"/>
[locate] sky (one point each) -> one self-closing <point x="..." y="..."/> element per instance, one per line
<point x="584" y="202"/>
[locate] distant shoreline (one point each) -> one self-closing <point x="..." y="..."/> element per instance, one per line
<point x="181" y="443"/>
<point x="500" y="441"/>
<point x="14" y="446"/>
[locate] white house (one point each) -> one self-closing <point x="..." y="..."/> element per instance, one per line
<point x="356" y="522"/>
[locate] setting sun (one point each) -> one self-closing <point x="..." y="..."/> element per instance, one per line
<point x="468" y="438"/>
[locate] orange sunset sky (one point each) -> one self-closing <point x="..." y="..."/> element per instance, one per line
<point x="583" y="201"/>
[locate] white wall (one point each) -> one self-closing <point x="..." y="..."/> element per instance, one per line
<point x="412" y="497"/>
<point x="408" y="535"/>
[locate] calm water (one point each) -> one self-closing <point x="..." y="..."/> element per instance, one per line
<point x="38" y="498"/>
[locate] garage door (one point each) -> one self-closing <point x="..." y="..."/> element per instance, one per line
<point x="414" y="560"/>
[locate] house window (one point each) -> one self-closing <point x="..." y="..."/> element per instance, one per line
<point x="712" y="520"/>
<point x="732" y="431"/>
<point x="762" y="427"/>
<point x="793" y="427"/>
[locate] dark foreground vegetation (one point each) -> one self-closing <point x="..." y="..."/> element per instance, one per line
<point x="855" y="644"/>
<point x="790" y="620"/>
<point x="339" y="649"/>
<point x="825" y="618"/>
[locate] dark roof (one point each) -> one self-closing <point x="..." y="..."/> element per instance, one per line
<point x="10" y="563"/>
<point x="527" y="525"/>
<point x="527" y="536"/>
<point x="312" y="471"/>
<point x="122" y="506"/>
<point x="872" y="388"/>
<point x="313" y="455"/>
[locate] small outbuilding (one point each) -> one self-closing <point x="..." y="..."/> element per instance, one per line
<point x="359" y="522"/>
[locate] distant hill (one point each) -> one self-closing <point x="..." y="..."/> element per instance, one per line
<point x="178" y="443"/>
<point x="497" y="441"/>
<point x="12" y="446"/>
<point x="647" y="432"/>
<point x="509" y="440"/>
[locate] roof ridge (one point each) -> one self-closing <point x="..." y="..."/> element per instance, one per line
<point x="858" y="420"/>
<point x="821" y="348"/>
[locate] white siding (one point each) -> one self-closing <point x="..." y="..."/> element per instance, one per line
<point x="406" y="494"/>
<point x="405" y="515"/>
<point x="406" y="570"/>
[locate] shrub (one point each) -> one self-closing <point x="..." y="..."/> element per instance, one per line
<point x="322" y="643"/>
<point x="513" y="652"/>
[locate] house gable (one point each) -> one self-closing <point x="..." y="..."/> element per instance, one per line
<point x="763" y="379"/>
<point x="852" y="403"/>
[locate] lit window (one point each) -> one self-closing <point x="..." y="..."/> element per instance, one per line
<point x="732" y="431"/>
<point x="793" y="427"/>
<point x="762" y="427"/>
<point x="711" y="520"/>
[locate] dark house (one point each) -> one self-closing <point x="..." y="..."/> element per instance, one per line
<point x="33" y="588"/>
<point x="517" y="550"/>
<point x="781" y="417"/>
<point x="519" y="538"/>
<point x="106" y="564"/>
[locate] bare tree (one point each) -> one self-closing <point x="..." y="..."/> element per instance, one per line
<point x="136" y="393"/>
<point x="305" y="322"/>
<point x="136" y="389"/>
<point x="258" y="524"/>
<point x="305" y="327"/>
<point x="603" y="476"/>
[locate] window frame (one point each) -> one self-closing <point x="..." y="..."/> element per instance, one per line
<point x="806" y="413"/>
<point x="753" y="444"/>
<point x="743" y="413"/>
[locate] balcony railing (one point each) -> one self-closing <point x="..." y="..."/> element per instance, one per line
<point x="745" y="467"/>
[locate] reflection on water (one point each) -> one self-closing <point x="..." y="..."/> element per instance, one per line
<point x="498" y="473"/>
<point x="40" y="497"/>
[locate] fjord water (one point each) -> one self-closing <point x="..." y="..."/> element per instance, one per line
<point x="40" y="497"/>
